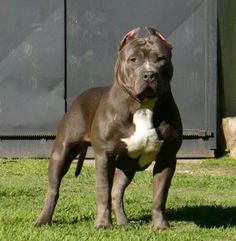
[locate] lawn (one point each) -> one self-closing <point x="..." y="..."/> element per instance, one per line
<point x="201" y="204"/>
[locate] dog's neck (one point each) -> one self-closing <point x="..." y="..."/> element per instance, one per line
<point x="149" y="103"/>
<point x="119" y="93"/>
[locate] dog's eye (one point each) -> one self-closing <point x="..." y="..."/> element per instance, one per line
<point x="133" y="59"/>
<point x="161" y="58"/>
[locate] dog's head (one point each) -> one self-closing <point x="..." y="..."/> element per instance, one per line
<point x="144" y="65"/>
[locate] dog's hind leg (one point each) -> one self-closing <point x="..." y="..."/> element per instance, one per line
<point x="59" y="163"/>
<point x="121" y="181"/>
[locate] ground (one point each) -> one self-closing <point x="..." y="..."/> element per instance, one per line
<point x="201" y="204"/>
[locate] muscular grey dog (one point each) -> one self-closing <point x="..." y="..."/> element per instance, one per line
<point x="129" y="125"/>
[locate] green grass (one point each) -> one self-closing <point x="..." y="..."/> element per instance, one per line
<point x="201" y="204"/>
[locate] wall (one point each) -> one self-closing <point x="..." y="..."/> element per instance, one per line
<point x="227" y="38"/>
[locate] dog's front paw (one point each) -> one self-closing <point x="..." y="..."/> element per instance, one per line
<point x="159" y="221"/>
<point x="42" y="222"/>
<point x="101" y="224"/>
<point x="161" y="225"/>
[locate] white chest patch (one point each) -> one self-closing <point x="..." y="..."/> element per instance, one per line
<point x="144" y="142"/>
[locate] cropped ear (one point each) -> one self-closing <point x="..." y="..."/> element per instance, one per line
<point x="128" y="37"/>
<point x="156" y="33"/>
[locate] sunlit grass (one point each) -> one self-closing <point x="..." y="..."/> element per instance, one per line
<point x="201" y="204"/>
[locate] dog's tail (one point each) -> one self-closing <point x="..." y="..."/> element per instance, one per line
<point x="81" y="161"/>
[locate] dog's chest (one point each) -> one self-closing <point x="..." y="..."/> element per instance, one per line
<point x="143" y="144"/>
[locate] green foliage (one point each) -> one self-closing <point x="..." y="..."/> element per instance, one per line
<point x="201" y="204"/>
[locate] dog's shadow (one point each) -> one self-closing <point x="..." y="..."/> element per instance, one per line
<point x="203" y="216"/>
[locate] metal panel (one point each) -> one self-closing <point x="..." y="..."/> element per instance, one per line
<point x="31" y="66"/>
<point x="32" y="84"/>
<point x="95" y="28"/>
<point x="35" y="148"/>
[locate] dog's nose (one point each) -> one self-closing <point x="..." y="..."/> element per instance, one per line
<point x="149" y="76"/>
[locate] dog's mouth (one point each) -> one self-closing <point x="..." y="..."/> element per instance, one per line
<point x="147" y="93"/>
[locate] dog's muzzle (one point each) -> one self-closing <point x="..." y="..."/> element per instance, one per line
<point x="149" y="86"/>
<point x="150" y="76"/>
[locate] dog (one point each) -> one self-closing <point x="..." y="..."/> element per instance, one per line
<point x="130" y="125"/>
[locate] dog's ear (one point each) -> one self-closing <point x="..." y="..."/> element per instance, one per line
<point x="156" y="33"/>
<point x="128" y="37"/>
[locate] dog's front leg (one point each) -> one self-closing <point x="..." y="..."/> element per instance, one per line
<point x="104" y="169"/>
<point x="121" y="181"/>
<point x="162" y="174"/>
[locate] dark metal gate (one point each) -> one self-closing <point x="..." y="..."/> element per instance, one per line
<point x="31" y="75"/>
<point x="39" y="76"/>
